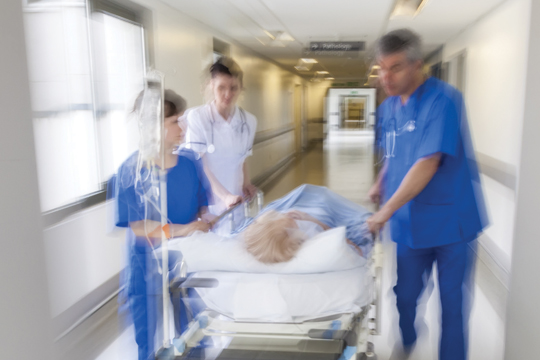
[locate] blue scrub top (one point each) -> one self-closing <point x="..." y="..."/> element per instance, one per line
<point x="186" y="192"/>
<point x="451" y="207"/>
<point x="187" y="188"/>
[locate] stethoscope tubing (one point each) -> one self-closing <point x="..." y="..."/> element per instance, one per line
<point x="409" y="126"/>
<point x="211" y="147"/>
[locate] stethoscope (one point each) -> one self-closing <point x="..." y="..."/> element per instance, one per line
<point x="211" y="148"/>
<point x="408" y="127"/>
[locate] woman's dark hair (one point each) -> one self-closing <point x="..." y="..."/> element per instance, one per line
<point x="226" y="66"/>
<point x="174" y="103"/>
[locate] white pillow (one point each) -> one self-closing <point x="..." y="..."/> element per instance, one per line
<point x="328" y="251"/>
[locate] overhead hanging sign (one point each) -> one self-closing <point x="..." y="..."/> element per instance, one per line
<point x="337" y="45"/>
<point x="349" y="49"/>
<point x="308" y="53"/>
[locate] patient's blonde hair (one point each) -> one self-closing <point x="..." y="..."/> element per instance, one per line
<point x="271" y="238"/>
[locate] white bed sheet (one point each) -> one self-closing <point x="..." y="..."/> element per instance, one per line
<point x="287" y="297"/>
<point x="326" y="252"/>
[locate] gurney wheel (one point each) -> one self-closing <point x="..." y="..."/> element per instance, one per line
<point x="365" y="356"/>
<point x="370" y="352"/>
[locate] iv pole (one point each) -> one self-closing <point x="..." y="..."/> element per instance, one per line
<point x="152" y="148"/>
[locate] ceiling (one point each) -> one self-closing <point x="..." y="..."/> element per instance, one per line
<point x="248" y="21"/>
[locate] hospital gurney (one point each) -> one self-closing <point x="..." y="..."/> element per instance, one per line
<point x="327" y="315"/>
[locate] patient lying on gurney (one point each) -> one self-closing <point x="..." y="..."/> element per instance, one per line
<point x="276" y="237"/>
<point x="293" y="261"/>
<point x="309" y="230"/>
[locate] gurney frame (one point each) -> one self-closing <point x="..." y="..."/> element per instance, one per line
<point x="344" y="334"/>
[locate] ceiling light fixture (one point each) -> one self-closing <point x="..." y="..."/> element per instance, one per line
<point x="261" y="41"/>
<point x="277" y="43"/>
<point x="305" y="64"/>
<point x="374" y="71"/>
<point x="302" y="68"/>
<point x="322" y="72"/>
<point x="278" y="38"/>
<point x="329" y="78"/>
<point x="269" y="34"/>
<point x="408" y="8"/>
<point x="283" y="36"/>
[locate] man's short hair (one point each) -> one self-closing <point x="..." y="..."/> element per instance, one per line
<point x="401" y="40"/>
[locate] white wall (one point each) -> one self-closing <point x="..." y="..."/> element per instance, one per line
<point x="523" y="317"/>
<point x="24" y="313"/>
<point x="183" y="49"/>
<point x="316" y="94"/>
<point x="81" y="254"/>
<point x="496" y="58"/>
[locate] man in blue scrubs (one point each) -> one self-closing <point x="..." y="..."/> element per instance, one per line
<point x="430" y="188"/>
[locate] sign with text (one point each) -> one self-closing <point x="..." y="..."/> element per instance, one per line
<point x="337" y="45"/>
<point x="308" y="53"/>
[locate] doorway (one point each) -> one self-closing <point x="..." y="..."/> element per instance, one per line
<point x="352" y="113"/>
<point x="298" y="128"/>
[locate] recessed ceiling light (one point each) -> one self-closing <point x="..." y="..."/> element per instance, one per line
<point x="309" y="61"/>
<point x="329" y="78"/>
<point x="277" y="43"/>
<point x="408" y="7"/>
<point x="269" y="34"/>
<point x="322" y="72"/>
<point x="284" y="36"/>
<point x="301" y="68"/>
<point x="262" y="42"/>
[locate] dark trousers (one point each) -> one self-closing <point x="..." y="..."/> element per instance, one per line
<point x="454" y="266"/>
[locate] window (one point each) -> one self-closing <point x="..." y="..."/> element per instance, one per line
<point x="84" y="76"/>
<point x="220" y="48"/>
<point x="119" y="78"/>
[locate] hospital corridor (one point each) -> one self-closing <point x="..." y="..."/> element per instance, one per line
<point x="270" y="179"/>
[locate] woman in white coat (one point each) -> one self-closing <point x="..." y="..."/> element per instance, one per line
<point x="223" y="134"/>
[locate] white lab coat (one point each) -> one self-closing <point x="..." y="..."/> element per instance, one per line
<point x="232" y="141"/>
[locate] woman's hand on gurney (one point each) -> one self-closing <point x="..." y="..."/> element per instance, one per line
<point x="249" y="191"/>
<point x="188" y="229"/>
<point x="230" y="200"/>
<point x="208" y="217"/>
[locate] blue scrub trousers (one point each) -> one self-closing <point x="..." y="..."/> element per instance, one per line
<point x="145" y="299"/>
<point x="454" y="265"/>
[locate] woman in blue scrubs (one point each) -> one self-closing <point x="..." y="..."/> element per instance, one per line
<point x="186" y="203"/>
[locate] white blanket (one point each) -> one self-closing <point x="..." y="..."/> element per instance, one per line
<point x="287" y="298"/>
<point x="326" y="252"/>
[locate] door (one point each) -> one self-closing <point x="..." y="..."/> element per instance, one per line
<point x="353" y="112"/>
<point x="298" y="129"/>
